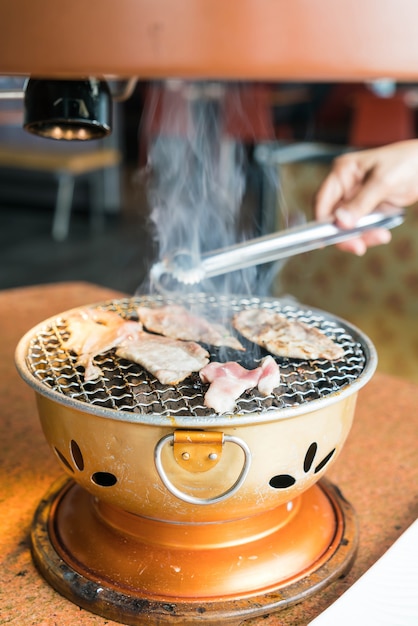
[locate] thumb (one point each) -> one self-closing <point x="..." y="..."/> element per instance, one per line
<point x="366" y="200"/>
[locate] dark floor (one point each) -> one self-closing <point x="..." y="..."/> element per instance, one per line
<point x="118" y="256"/>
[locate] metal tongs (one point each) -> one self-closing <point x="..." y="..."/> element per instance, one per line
<point x="186" y="269"/>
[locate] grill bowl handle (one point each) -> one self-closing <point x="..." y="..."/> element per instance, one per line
<point x="192" y="499"/>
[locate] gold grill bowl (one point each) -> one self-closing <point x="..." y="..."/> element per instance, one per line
<point x="138" y="445"/>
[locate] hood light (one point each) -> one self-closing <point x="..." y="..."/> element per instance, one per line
<point x="68" y="109"/>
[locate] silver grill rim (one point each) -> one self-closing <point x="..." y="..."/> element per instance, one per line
<point x="43" y="366"/>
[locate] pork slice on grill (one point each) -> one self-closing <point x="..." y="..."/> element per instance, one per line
<point x="169" y="360"/>
<point x="93" y="332"/>
<point x="284" y="337"/>
<point x="269" y="376"/>
<point x="176" y="322"/>
<point x="228" y="381"/>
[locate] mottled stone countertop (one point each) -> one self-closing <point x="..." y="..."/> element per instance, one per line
<point x="377" y="472"/>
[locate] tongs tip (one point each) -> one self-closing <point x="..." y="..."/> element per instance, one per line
<point x="181" y="268"/>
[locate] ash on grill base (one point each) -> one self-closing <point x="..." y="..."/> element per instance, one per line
<point x="125" y="386"/>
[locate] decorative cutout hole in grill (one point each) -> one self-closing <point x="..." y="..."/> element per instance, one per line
<point x="126" y="386"/>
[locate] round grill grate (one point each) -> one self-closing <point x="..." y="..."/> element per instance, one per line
<point x="126" y="386"/>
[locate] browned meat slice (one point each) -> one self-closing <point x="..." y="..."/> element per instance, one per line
<point x="176" y="322"/>
<point x="169" y="360"/>
<point x="229" y="380"/>
<point x="93" y="332"/>
<point x="284" y="337"/>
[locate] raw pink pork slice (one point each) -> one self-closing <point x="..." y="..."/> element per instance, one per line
<point x="229" y="380"/>
<point x="170" y="360"/>
<point x="176" y="322"/>
<point x="92" y="332"/>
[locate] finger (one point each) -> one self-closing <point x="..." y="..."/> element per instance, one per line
<point x="356" y="246"/>
<point x="329" y="194"/>
<point x="377" y="237"/>
<point x="371" y="238"/>
<point x="344" y="218"/>
<point x="341" y="184"/>
<point x="367" y="199"/>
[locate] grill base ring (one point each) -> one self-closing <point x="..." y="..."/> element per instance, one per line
<point x="67" y="535"/>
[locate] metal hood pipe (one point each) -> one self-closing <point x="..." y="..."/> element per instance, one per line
<point x="240" y="39"/>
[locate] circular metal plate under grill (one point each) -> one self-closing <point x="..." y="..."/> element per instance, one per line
<point x="66" y="525"/>
<point x="126" y="389"/>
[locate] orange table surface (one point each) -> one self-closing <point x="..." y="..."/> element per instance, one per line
<point x="377" y="471"/>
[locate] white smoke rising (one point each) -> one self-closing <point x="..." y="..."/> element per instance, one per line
<point x="196" y="174"/>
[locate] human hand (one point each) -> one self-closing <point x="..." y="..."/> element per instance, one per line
<point x="360" y="182"/>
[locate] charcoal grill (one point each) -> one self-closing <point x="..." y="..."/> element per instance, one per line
<point x="170" y="513"/>
<point x="125" y="386"/>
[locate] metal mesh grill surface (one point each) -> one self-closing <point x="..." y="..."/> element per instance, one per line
<point x="126" y="386"/>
